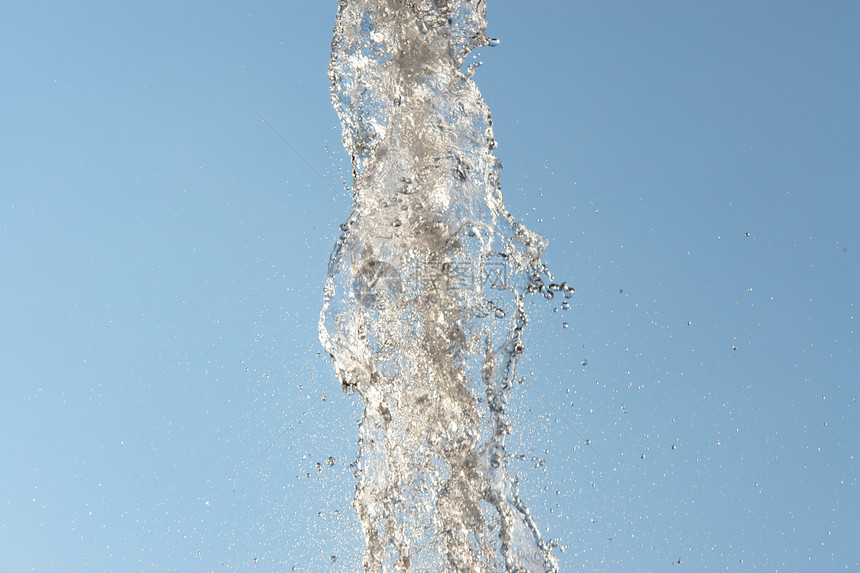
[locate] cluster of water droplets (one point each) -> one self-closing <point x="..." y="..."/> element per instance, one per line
<point x="423" y="311"/>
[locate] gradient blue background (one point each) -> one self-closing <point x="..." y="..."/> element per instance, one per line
<point x="164" y="403"/>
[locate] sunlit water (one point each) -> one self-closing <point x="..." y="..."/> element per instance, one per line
<point x="423" y="311"/>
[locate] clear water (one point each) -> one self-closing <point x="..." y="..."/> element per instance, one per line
<point x="423" y="313"/>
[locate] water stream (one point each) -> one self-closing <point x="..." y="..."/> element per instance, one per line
<point x="423" y="312"/>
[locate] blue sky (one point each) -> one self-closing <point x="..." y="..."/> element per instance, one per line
<point x="165" y="402"/>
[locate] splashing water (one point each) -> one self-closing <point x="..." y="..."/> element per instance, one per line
<point x="423" y="312"/>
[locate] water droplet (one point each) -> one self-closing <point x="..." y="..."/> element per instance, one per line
<point x="472" y="68"/>
<point x="493" y="42"/>
<point x="585" y="362"/>
<point x="330" y="461"/>
<point x="567" y="290"/>
<point x="565" y="305"/>
<point x="565" y="325"/>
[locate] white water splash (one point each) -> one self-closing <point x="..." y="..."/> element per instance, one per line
<point x="423" y="311"/>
